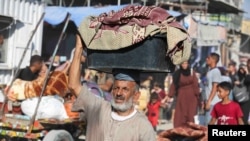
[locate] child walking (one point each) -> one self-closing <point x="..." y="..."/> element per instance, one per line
<point x="153" y="109"/>
<point x="226" y="112"/>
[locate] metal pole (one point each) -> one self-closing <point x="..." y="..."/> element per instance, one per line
<point x="156" y="2"/>
<point x="88" y="4"/>
<point x="60" y="3"/>
<point x="119" y="2"/>
<point x="19" y="64"/>
<point x="132" y="1"/>
<point x="47" y="73"/>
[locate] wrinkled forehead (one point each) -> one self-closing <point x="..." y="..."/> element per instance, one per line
<point x="124" y="83"/>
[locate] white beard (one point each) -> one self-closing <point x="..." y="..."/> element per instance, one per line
<point x="124" y="106"/>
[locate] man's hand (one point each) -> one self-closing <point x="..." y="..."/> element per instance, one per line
<point x="78" y="42"/>
<point x="208" y="106"/>
<point x="237" y="82"/>
<point x="10" y="94"/>
<point x="75" y="70"/>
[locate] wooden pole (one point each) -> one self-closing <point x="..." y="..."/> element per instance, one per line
<point x="47" y="74"/>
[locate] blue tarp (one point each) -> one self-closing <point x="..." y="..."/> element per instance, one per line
<point x="55" y="15"/>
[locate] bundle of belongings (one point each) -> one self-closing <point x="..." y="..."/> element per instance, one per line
<point x="57" y="84"/>
<point x="52" y="102"/>
<point x="133" y="24"/>
<point x="190" y="132"/>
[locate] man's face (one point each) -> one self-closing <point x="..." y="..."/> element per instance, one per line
<point x="209" y="60"/>
<point x="231" y="68"/>
<point x="38" y="65"/>
<point x="43" y="70"/>
<point x="124" y="95"/>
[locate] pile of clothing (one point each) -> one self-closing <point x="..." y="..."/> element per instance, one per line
<point x="133" y="24"/>
<point x="191" y="132"/>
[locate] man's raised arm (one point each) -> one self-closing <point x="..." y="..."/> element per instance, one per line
<point x="75" y="69"/>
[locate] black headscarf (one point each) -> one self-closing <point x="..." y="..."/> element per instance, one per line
<point x="241" y="75"/>
<point x="177" y="75"/>
<point x="185" y="72"/>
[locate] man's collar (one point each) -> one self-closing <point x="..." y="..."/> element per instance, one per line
<point x="117" y="117"/>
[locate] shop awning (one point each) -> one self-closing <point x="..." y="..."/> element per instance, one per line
<point x="5" y="22"/>
<point x="218" y="6"/>
<point x="213" y="6"/>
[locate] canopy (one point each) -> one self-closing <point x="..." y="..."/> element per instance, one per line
<point x="5" y="22"/>
<point x="55" y="15"/>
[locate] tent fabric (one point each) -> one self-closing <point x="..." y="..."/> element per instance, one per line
<point x="55" y="15"/>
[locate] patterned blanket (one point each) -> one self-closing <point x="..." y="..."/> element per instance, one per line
<point x="191" y="131"/>
<point x="132" y="24"/>
<point x="57" y="84"/>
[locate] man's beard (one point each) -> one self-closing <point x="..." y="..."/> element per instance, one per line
<point x="122" y="107"/>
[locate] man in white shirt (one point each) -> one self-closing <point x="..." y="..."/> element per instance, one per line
<point x="213" y="78"/>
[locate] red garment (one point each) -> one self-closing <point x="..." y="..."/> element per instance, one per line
<point x="186" y="99"/>
<point x="161" y="95"/>
<point x="153" y="112"/>
<point x="140" y="15"/>
<point x="130" y="15"/>
<point x="227" y="114"/>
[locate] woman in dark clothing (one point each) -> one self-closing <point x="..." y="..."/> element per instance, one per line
<point x="186" y="89"/>
<point x="243" y="73"/>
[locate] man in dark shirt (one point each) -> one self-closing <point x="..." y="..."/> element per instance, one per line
<point x="31" y="72"/>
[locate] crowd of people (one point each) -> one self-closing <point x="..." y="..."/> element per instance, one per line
<point x="184" y="95"/>
<point x="210" y="98"/>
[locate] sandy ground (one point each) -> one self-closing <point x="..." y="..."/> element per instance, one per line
<point x="164" y="126"/>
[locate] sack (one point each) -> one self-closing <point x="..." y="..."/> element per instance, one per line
<point x="240" y="93"/>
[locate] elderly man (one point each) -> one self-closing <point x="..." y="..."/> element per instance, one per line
<point x="115" y="121"/>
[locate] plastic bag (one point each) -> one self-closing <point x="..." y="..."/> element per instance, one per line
<point x="240" y="93"/>
<point x="49" y="107"/>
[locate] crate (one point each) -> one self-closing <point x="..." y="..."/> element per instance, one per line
<point x="146" y="56"/>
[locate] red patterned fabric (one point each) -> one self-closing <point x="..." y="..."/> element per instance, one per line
<point x="130" y="15"/>
<point x="194" y="131"/>
<point x="133" y="24"/>
<point x="140" y="15"/>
